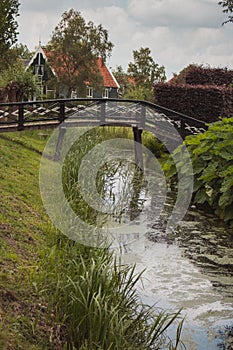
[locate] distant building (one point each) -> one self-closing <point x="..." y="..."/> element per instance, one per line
<point x="48" y="78"/>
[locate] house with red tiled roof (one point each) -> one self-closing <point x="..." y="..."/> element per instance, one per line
<point x="48" y="76"/>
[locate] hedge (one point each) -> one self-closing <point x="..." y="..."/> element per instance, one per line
<point x="204" y="102"/>
<point x="199" y="75"/>
<point x="202" y="93"/>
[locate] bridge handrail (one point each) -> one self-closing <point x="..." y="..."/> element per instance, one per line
<point x="183" y="123"/>
<point x="162" y="109"/>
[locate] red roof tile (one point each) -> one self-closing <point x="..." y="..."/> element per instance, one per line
<point x="109" y="80"/>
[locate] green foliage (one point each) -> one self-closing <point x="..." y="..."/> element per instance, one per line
<point x="75" y="47"/>
<point x="22" y="51"/>
<point x="138" y="92"/>
<point x="8" y="30"/>
<point x="212" y="159"/>
<point x="144" y="70"/>
<point x="227" y="8"/>
<point x="93" y="294"/>
<point x="154" y="145"/>
<point x="75" y="295"/>
<point x="123" y="80"/>
<point x="141" y="75"/>
<point x="81" y="148"/>
<point x="25" y="79"/>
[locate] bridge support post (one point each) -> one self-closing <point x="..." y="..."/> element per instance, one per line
<point x="137" y="132"/>
<point x="61" y="135"/>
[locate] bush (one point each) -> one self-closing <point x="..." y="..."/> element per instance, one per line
<point x="212" y="159"/>
<point x="28" y="83"/>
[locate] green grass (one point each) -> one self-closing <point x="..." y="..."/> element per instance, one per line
<point x="23" y="227"/>
<point x="54" y="293"/>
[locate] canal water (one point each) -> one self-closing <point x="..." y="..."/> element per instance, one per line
<point x="190" y="268"/>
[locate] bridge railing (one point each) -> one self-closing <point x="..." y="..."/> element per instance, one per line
<point x="85" y="111"/>
<point x="22" y="115"/>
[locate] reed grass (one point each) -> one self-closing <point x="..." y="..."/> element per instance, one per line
<point x="91" y="293"/>
<point x="94" y="298"/>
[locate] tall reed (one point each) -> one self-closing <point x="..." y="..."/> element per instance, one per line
<point x="92" y="294"/>
<point x="94" y="298"/>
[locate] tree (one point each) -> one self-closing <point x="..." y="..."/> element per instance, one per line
<point x="142" y="74"/>
<point x="227" y="8"/>
<point x="75" y="47"/>
<point x="144" y="71"/>
<point x="22" y="51"/>
<point x="8" y="30"/>
<point x="138" y="92"/>
<point x="123" y="80"/>
<point x="16" y="78"/>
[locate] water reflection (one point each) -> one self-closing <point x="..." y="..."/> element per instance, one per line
<point x="190" y="268"/>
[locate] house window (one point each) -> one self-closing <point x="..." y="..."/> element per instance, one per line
<point x="39" y="70"/>
<point x="90" y="92"/>
<point x="105" y="93"/>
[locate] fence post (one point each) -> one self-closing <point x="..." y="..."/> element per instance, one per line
<point x="21" y="118"/>
<point x="182" y="129"/>
<point x="62" y="112"/>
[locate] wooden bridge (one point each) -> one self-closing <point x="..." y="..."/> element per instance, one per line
<point x="143" y="115"/>
<point x="168" y="126"/>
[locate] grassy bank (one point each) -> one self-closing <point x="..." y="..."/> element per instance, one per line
<point x="56" y="294"/>
<point x="23" y="231"/>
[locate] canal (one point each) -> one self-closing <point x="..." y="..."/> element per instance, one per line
<point x="190" y="268"/>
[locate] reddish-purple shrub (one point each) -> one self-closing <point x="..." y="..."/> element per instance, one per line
<point x="202" y="93"/>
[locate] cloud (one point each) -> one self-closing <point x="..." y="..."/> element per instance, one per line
<point x="177" y="32"/>
<point x="35" y="26"/>
<point x="172" y="13"/>
<point x="60" y="6"/>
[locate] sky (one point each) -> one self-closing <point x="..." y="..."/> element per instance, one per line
<point x="178" y="32"/>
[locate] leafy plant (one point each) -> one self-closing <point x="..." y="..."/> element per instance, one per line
<point x="144" y="70"/>
<point x="137" y="83"/>
<point x="212" y="159"/>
